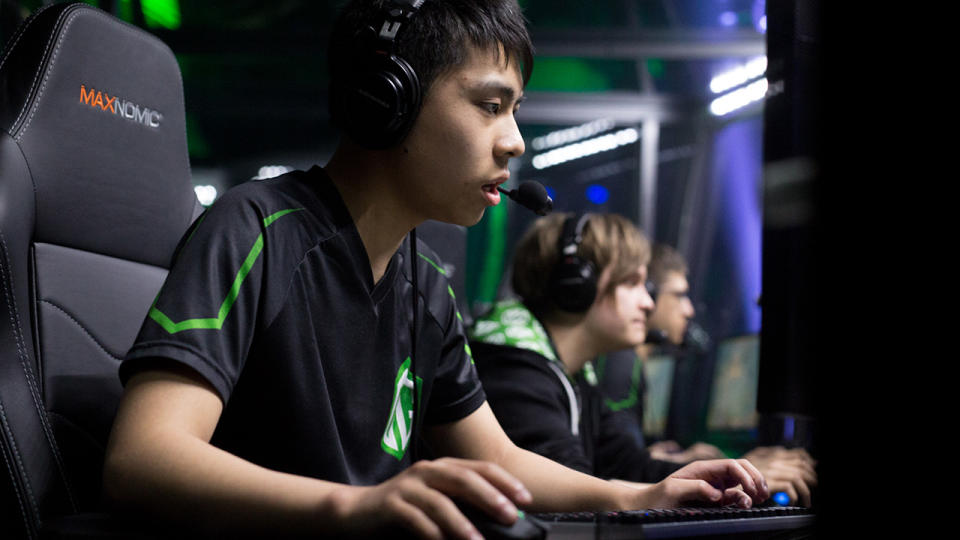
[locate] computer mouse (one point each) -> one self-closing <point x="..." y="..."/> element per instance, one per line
<point x="525" y="528"/>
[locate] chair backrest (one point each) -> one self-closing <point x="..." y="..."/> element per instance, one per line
<point x="95" y="193"/>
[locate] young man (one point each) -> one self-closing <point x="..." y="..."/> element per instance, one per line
<point x="790" y="471"/>
<point x="622" y="371"/>
<point x="534" y="356"/>
<point x="274" y="383"/>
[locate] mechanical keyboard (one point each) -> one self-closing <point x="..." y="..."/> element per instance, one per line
<point x="728" y="522"/>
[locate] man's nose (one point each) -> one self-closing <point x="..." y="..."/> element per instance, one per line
<point x="510" y="143"/>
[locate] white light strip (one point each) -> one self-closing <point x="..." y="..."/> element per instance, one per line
<point x="569" y="135"/>
<point x="206" y="194"/>
<point x="586" y="148"/>
<point x="739" y="75"/>
<point x="269" y="171"/>
<point x="739" y="98"/>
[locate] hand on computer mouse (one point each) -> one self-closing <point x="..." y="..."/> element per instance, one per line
<point x="524" y="528"/>
<point x="419" y="499"/>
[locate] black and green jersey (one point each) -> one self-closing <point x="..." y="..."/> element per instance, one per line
<point x="622" y="383"/>
<point x="271" y="299"/>
<point x="548" y="412"/>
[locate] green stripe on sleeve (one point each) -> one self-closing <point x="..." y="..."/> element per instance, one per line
<point x="241" y="275"/>
<point x="217" y="323"/>
<point x="267" y="221"/>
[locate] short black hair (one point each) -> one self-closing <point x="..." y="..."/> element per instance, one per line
<point x="438" y="37"/>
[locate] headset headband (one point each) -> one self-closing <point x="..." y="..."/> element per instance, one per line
<point x="573" y="282"/>
<point x="394" y="19"/>
<point x="572" y="234"/>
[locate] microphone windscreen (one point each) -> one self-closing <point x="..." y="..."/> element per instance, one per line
<point x="696" y="339"/>
<point x="656" y="337"/>
<point x="533" y="195"/>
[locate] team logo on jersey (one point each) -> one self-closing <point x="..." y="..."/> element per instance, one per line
<point x="400" y="423"/>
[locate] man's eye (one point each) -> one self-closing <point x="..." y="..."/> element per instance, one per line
<point x="490" y="107"/>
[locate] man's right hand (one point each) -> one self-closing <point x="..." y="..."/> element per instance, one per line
<point x="715" y="482"/>
<point x="419" y="499"/>
<point x="791" y="471"/>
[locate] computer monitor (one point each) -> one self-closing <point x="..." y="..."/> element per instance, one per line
<point x="733" y="396"/>
<point x="796" y="234"/>
<point x="658" y="372"/>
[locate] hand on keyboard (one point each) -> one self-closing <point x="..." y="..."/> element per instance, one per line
<point x="791" y="471"/>
<point x="717" y="482"/>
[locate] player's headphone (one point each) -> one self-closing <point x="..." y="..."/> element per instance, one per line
<point x="376" y="100"/>
<point x="652" y="289"/>
<point x="655" y="336"/>
<point x="573" y="283"/>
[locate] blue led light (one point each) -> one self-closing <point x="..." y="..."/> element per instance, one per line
<point x="728" y="18"/>
<point x="781" y="498"/>
<point x="788" y="428"/>
<point x="551" y="193"/>
<point x="759" y="14"/>
<point x="597" y="194"/>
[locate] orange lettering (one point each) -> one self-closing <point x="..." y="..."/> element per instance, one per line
<point x="110" y="101"/>
<point x="98" y="100"/>
<point x="86" y="97"/>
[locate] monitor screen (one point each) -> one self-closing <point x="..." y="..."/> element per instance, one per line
<point x="733" y="396"/>
<point x="658" y="373"/>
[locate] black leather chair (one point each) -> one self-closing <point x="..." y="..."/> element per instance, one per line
<point x="95" y="193"/>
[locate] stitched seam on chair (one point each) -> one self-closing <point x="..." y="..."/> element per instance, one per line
<point x="85" y="331"/>
<point x="13" y="45"/>
<point x="39" y="71"/>
<point x="51" y="62"/>
<point x="23" y="511"/>
<point x="20" y="31"/>
<point x="28" y="372"/>
<point x="14" y="327"/>
<point x="16" y="38"/>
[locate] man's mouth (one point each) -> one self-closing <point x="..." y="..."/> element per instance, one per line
<point x="491" y="193"/>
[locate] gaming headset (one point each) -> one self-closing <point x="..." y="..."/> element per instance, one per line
<point x="377" y="99"/>
<point x="652" y="289"/>
<point x="573" y="282"/>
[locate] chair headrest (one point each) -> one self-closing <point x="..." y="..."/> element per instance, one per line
<point x="96" y="108"/>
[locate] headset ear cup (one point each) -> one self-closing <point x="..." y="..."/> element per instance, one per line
<point x="651" y="290"/>
<point x="573" y="284"/>
<point x="379" y="102"/>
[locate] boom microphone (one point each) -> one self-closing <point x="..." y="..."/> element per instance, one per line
<point x="696" y="339"/>
<point x="531" y="195"/>
<point x="656" y="337"/>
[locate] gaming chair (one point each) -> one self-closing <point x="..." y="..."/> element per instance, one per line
<point x="95" y="193"/>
